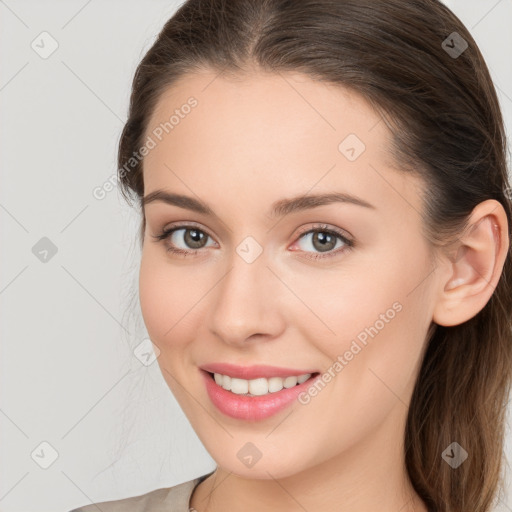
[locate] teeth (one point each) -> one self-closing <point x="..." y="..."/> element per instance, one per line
<point x="226" y="382"/>
<point x="303" y="378"/>
<point x="290" y="382"/>
<point x="275" y="384"/>
<point x="239" y="386"/>
<point x="258" y="387"/>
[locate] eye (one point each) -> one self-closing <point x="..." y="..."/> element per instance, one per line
<point x="324" y="240"/>
<point x="327" y="241"/>
<point x="190" y="237"/>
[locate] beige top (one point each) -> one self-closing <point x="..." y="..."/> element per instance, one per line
<point x="167" y="499"/>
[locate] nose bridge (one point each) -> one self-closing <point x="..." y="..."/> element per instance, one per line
<point x="245" y="300"/>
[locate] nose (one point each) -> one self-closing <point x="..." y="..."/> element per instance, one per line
<point x="248" y="303"/>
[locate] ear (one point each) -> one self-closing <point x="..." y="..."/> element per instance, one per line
<point x="472" y="269"/>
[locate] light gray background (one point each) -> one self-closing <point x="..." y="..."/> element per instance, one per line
<point x="67" y="375"/>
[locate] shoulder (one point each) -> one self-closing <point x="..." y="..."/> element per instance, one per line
<point x="166" y="499"/>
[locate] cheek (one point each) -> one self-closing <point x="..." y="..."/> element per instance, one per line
<point x="344" y="304"/>
<point x="379" y="319"/>
<point x="384" y="347"/>
<point x="170" y="299"/>
<point x="373" y="379"/>
<point x="152" y="296"/>
<point x="161" y="297"/>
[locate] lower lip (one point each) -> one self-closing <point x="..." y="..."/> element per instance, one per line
<point x="252" y="408"/>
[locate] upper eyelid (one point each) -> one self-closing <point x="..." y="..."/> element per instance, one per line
<point x="189" y="224"/>
<point x="320" y="226"/>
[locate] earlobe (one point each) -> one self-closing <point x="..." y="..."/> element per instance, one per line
<point x="471" y="277"/>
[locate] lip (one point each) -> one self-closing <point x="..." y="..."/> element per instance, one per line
<point x="253" y="372"/>
<point x="253" y="408"/>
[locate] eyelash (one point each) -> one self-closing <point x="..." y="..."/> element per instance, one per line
<point x="318" y="228"/>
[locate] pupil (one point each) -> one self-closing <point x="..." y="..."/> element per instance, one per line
<point x="194" y="238"/>
<point x="324" y="239"/>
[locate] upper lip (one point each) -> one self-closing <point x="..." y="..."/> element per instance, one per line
<point x="253" y="372"/>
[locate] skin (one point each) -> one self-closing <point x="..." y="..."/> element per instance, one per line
<point x="252" y="141"/>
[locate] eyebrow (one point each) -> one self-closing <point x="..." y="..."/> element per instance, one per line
<point x="279" y="208"/>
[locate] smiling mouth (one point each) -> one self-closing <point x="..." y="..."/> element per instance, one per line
<point x="260" y="386"/>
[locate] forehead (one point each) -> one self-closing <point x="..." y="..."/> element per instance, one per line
<point x="264" y="105"/>
<point x="271" y="135"/>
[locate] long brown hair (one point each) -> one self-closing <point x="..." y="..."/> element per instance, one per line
<point x="438" y="98"/>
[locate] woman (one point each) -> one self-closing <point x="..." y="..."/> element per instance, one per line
<point x="325" y="254"/>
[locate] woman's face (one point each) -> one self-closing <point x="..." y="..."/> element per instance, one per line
<point x="344" y="289"/>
